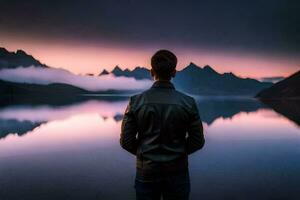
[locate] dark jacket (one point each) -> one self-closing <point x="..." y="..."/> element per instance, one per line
<point x="161" y="126"/>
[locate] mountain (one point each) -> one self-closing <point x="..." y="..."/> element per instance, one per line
<point x="104" y="72"/>
<point x="287" y="88"/>
<point x="117" y="71"/>
<point x="7" y="87"/>
<point x="139" y="73"/>
<point x="17" y="59"/>
<point x="202" y="81"/>
<point x="207" y="81"/>
<point x="192" y="79"/>
<point x="55" y="92"/>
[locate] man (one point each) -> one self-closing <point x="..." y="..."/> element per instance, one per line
<point x="161" y="126"/>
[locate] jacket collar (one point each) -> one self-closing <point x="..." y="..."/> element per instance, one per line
<point x="163" y="84"/>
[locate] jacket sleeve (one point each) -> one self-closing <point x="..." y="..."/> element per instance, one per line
<point x="128" y="140"/>
<point x="195" y="139"/>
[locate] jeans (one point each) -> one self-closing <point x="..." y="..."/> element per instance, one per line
<point x="174" y="186"/>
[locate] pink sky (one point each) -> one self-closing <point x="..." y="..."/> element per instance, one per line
<point x="82" y="58"/>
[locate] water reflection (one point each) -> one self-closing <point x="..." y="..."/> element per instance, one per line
<point x="19" y="119"/>
<point x="290" y="109"/>
<point x="214" y="108"/>
<point x="71" y="151"/>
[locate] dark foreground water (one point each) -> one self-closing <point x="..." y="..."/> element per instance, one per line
<point x="71" y="151"/>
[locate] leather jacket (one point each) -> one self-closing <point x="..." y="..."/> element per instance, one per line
<point x="161" y="126"/>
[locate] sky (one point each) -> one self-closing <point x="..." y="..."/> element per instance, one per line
<point x="249" y="38"/>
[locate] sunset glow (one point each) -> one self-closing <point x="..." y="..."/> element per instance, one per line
<point x="83" y="58"/>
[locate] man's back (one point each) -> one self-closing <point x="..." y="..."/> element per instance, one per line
<point x="162" y="126"/>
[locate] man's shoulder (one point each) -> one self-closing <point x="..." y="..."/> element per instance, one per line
<point x="136" y="98"/>
<point x="185" y="96"/>
<point x="178" y="96"/>
<point x="138" y="95"/>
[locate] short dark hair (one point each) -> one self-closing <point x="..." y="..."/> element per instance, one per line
<point x="163" y="63"/>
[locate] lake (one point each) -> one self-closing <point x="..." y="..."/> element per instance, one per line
<point x="71" y="150"/>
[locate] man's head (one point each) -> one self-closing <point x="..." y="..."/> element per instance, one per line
<point x="163" y="64"/>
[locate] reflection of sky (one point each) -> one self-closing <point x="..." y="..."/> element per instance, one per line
<point x="76" y="153"/>
<point x="77" y="131"/>
<point x="94" y="58"/>
<point x="47" y="113"/>
<point x="262" y="124"/>
<point x="90" y="123"/>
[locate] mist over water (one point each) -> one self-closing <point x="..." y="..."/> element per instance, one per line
<point x="47" y="76"/>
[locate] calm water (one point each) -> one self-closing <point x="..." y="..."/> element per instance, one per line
<point x="71" y="151"/>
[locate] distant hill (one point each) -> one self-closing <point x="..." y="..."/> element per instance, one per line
<point x="202" y="81"/>
<point x="207" y="81"/>
<point x="139" y="73"/>
<point x="17" y="59"/>
<point x="104" y="72"/>
<point x="287" y="88"/>
<point x="7" y="87"/>
<point x="53" y="91"/>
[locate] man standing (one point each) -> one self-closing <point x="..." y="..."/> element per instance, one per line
<point x="162" y="126"/>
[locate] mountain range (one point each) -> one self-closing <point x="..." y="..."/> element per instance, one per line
<point x="192" y="79"/>
<point x="17" y="59"/>
<point x="201" y="81"/>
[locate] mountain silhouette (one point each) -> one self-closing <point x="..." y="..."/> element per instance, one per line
<point x="53" y="90"/>
<point x="192" y="79"/>
<point x="7" y="87"/>
<point x="139" y="73"/>
<point x="287" y="88"/>
<point x="206" y="81"/>
<point x="202" y="81"/>
<point x="17" y="59"/>
<point x="104" y="72"/>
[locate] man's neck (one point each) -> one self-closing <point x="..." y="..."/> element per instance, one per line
<point x="163" y="80"/>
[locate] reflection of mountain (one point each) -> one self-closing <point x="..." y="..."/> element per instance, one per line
<point x="20" y="119"/>
<point x="212" y="109"/>
<point x="12" y="126"/>
<point x="118" y="117"/>
<point x="23" y="117"/>
<point x="204" y="81"/>
<point x="287" y="88"/>
<point x="288" y="108"/>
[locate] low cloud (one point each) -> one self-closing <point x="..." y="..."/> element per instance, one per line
<point x="47" y="76"/>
